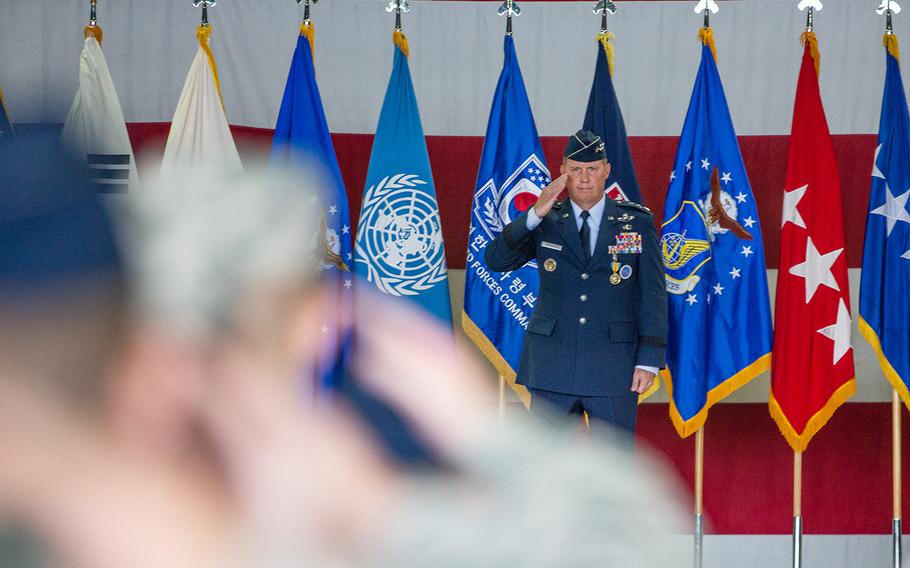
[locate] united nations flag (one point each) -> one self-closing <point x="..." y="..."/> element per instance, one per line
<point x="719" y="310"/>
<point x="399" y="238"/>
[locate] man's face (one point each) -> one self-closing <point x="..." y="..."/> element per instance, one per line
<point x="585" y="181"/>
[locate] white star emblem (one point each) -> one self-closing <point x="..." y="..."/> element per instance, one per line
<point x="705" y="164"/>
<point x="672" y="176"/>
<point x="748" y="222"/>
<point x="333" y="210"/>
<point x="726" y="177"/>
<point x="325" y="329"/>
<point x="894" y="209"/>
<point x="718" y="289"/>
<point x="691" y="299"/>
<point x="345" y="230"/>
<point x="735" y="273"/>
<point x="906" y="255"/>
<point x="747" y="250"/>
<point x="790" y="211"/>
<point x="740" y="197"/>
<point x="816" y="269"/>
<point x="350" y="256"/>
<point x="314" y="198"/>
<point x="875" y="171"/>
<point x="347" y="283"/>
<point x="839" y="332"/>
<point x="689" y="166"/>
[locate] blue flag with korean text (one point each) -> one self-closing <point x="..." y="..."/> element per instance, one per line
<point x="720" y="334"/>
<point x="6" y="125"/>
<point x="497" y="306"/>
<point x="399" y="247"/>
<point x="604" y="118"/>
<point x="302" y="137"/>
<point x="884" y="302"/>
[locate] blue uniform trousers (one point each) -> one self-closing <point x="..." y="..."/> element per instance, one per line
<point x="617" y="412"/>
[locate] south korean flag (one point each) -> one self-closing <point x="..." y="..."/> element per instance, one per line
<point x="95" y="125"/>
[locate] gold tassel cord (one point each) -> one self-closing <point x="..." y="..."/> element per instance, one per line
<point x="706" y="37"/>
<point x="605" y="39"/>
<point x="890" y="42"/>
<point x="95" y="32"/>
<point x="309" y="32"/>
<point x="203" y="34"/>
<point x="808" y="38"/>
<point x="401" y="41"/>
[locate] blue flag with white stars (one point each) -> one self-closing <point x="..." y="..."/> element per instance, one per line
<point x="884" y="304"/>
<point x="720" y="334"/>
<point x="302" y="137"/>
<point x="399" y="247"/>
<point x="512" y="172"/>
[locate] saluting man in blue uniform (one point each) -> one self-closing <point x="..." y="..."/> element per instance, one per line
<point x="597" y="336"/>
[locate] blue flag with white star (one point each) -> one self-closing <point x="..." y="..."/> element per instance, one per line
<point x="302" y="137"/>
<point x="399" y="247"/>
<point x="719" y="335"/>
<point x="512" y="172"/>
<point x="884" y="305"/>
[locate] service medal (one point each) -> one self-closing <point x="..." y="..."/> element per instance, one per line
<point x="549" y="265"/>
<point x="615" y="279"/>
<point x="625" y="272"/>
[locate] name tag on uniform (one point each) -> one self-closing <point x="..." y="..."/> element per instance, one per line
<point x="551" y="246"/>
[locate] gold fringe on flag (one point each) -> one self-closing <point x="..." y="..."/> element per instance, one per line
<point x="401" y="41"/>
<point x="809" y="37"/>
<point x="605" y="39"/>
<point x="308" y="31"/>
<point x="706" y="37"/>
<point x="890" y="42"/>
<point x="203" y="34"/>
<point x="95" y="32"/>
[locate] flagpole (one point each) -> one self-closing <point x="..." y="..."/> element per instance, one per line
<point x="896" y="528"/>
<point x="508" y="9"/>
<point x="797" y="509"/>
<point x="93" y="18"/>
<point x="699" y="485"/>
<point x="502" y="399"/>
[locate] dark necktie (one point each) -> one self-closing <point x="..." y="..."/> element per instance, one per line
<point x="585" y="234"/>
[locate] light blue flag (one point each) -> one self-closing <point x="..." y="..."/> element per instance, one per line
<point x="720" y="332"/>
<point x="884" y="302"/>
<point x="302" y="137"/>
<point x="497" y="306"/>
<point x="399" y="245"/>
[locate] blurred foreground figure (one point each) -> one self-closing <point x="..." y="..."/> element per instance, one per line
<point x="191" y="445"/>
<point x="67" y="479"/>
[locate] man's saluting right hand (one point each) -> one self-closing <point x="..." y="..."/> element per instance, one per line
<point x="549" y="195"/>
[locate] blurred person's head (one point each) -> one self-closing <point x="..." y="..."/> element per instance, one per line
<point x="62" y="296"/>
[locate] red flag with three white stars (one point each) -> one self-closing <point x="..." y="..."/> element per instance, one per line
<point x="812" y="361"/>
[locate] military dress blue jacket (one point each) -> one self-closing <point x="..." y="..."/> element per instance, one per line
<point x="586" y="334"/>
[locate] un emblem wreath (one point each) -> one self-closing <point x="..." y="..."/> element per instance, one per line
<point x="401" y="239"/>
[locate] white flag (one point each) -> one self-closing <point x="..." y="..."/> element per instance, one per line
<point x="95" y="124"/>
<point x="200" y="132"/>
